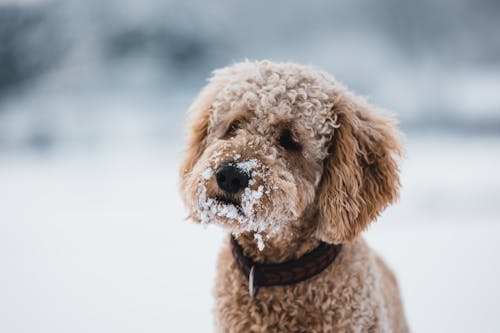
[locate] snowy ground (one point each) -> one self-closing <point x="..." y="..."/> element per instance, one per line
<point x="96" y="242"/>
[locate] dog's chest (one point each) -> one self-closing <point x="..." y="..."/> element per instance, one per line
<point x="324" y="303"/>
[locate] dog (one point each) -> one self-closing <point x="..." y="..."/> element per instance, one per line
<point x="295" y="167"/>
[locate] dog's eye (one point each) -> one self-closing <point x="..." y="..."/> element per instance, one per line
<point x="235" y="125"/>
<point x="287" y="141"/>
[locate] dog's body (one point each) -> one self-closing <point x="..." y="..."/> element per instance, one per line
<point x="357" y="293"/>
<point x="287" y="158"/>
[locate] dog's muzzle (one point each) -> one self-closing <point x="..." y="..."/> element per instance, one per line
<point x="231" y="179"/>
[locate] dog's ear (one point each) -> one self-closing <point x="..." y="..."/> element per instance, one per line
<point x="198" y="122"/>
<point x="361" y="175"/>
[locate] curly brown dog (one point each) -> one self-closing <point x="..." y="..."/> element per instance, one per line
<point x="295" y="167"/>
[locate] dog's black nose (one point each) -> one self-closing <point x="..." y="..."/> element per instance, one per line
<point x="231" y="179"/>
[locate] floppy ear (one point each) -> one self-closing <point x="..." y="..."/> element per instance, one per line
<point x="198" y="121"/>
<point x="360" y="176"/>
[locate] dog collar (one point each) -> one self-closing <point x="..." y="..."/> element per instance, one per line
<point x="290" y="272"/>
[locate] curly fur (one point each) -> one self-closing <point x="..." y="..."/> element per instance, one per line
<point x="340" y="180"/>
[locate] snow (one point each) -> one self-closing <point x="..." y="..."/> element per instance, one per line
<point x="207" y="173"/>
<point x="247" y="166"/>
<point x="98" y="242"/>
<point x="260" y="241"/>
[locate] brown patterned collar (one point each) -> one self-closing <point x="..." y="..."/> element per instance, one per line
<point x="290" y="272"/>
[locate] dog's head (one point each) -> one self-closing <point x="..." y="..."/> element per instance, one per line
<point x="269" y="142"/>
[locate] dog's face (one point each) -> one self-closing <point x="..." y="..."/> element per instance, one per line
<point x="269" y="142"/>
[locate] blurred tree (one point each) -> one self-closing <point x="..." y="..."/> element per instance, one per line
<point x="31" y="43"/>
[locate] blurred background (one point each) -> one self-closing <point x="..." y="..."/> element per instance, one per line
<point x="93" y="97"/>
